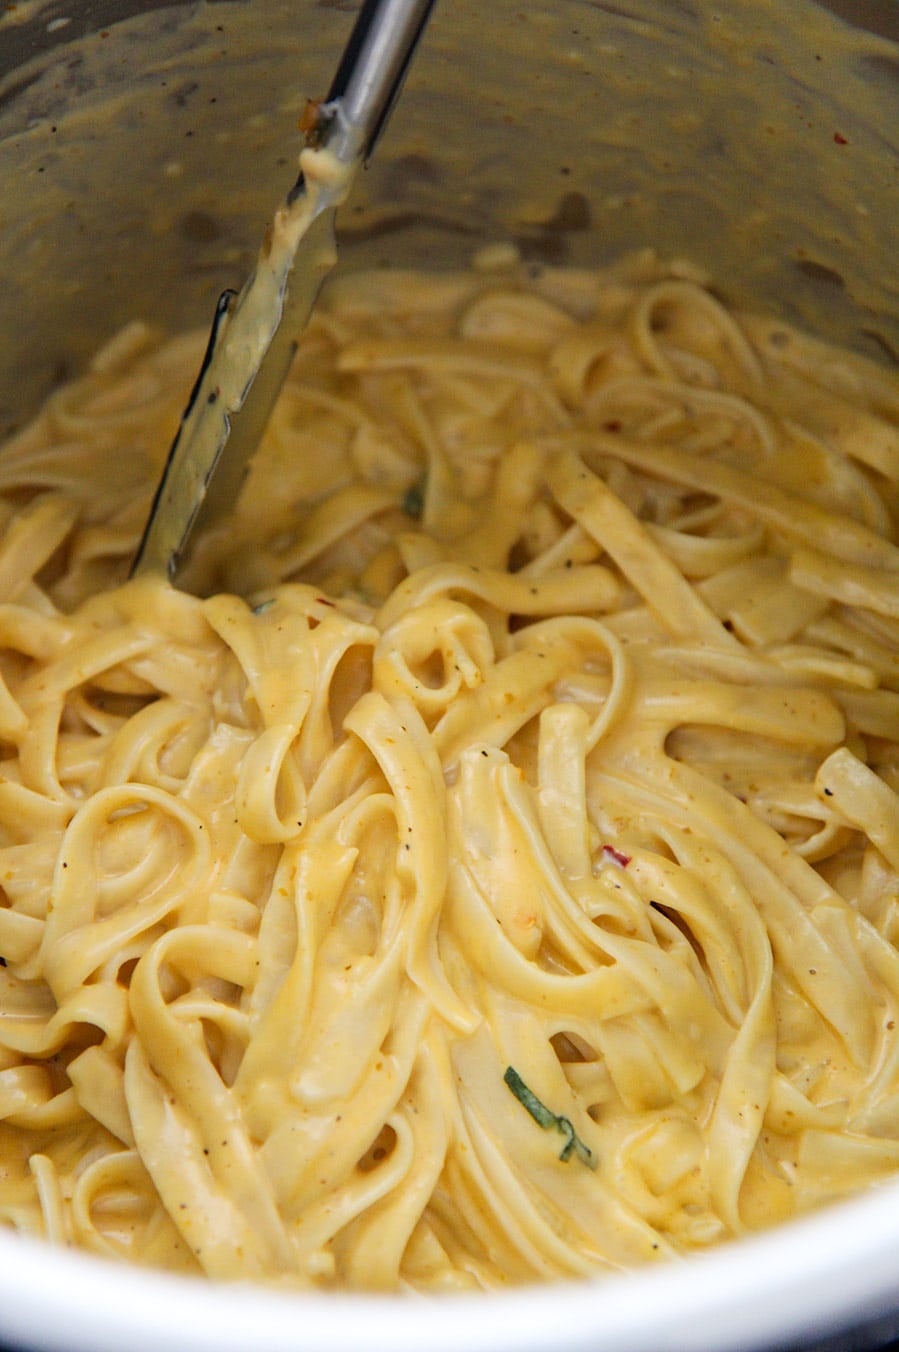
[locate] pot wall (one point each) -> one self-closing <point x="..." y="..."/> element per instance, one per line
<point x="142" y="148"/>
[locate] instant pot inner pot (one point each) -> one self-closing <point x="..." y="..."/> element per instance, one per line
<point x="143" y="147"/>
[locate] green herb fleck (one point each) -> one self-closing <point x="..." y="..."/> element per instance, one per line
<point x="414" y="500"/>
<point x="549" y="1120"/>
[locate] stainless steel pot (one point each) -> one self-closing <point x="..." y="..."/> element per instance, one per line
<point x="142" y="147"/>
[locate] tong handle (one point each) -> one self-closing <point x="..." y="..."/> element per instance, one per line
<point x="373" y="67"/>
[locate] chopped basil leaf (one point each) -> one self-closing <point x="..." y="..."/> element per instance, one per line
<point x="549" y="1120"/>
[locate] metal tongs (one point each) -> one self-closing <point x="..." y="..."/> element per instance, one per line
<point x="255" y="333"/>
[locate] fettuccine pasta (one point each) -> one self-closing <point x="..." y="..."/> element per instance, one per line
<point x="488" y="871"/>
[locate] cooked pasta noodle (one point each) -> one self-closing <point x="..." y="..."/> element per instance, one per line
<point x="496" y="877"/>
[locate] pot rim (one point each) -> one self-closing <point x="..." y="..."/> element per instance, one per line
<point x="825" y="1271"/>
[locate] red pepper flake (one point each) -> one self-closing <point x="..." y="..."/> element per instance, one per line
<point x="323" y="601"/>
<point x="840" y="139"/>
<point x="616" y="856"/>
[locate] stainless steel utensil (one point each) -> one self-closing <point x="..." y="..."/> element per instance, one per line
<point x="255" y="333"/>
